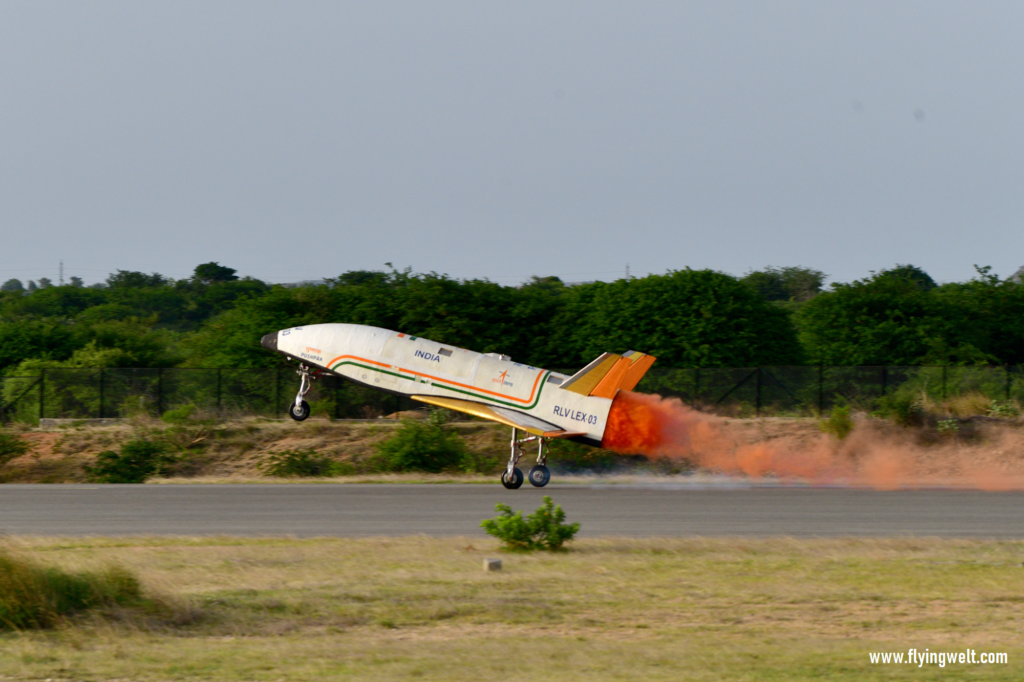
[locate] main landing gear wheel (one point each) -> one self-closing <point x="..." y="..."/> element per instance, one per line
<point x="539" y="476"/>
<point x="299" y="412"/>
<point x="514" y="482"/>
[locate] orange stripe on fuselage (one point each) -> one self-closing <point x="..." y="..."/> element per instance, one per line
<point x="447" y="381"/>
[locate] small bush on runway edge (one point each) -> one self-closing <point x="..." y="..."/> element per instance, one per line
<point x="431" y="447"/>
<point x="839" y="422"/>
<point x="544" y="529"/>
<point x="138" y="460"/>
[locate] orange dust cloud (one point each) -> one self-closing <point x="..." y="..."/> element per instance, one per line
<point x="874" y="455"/>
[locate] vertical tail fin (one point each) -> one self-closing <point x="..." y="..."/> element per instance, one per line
<point x="609" y="373"/>
<point x="585" y="380"/>
<point x="641" y="362"/>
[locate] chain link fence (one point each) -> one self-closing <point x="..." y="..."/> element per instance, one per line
<point x="60" y="393"/>
<point x="812" y="391"/>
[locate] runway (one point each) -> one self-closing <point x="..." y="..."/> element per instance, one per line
<point x="447" y="510"/>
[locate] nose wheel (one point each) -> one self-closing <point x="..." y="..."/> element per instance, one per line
<point x="299" y="410"/>
<point x="512" y="477"/>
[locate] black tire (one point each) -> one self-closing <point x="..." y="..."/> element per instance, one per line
<point x="514" y="482"/>
<point x="539" y="476"/>
<point x="299" y="413"/>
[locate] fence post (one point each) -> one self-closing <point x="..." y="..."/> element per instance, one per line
<point x="42" y="392"/>
<point x="337" y="397"/>
<point x="277" y="390"/>
<point x="101" y="394"/>
<point x="821" y="388"/>
<point x="757" y="405"/>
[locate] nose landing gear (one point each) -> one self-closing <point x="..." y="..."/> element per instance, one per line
<point x="299" y="410"/>
<point x="539" y="475"/>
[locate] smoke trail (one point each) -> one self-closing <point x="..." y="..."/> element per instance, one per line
<point x="666" y="428"/>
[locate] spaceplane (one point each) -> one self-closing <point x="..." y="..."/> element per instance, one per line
<point x="538" y="404"/>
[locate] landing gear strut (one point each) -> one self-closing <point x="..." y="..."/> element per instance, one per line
<point x="539" y="475"/>
<point x="299" y="410"/>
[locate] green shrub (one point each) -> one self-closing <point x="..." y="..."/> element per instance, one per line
<point x="12" y="446"/>
<point x="302" y="463"/>
<point x="33" y="596"/>
<point x="138" y="460"/>
<point x="424" y="446"/>
<point x="181" y="414"/>
<point x="903" y="408"/>
<point x="185" y="430"/>
<point x="544" y="529"/>
<point x="1007" y="410"/>
<point x="839" y="423"/>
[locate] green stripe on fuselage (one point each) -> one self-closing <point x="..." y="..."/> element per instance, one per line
<point x="440" y="384"/>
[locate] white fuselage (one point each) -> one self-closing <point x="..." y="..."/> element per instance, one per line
<point x="410" y="365"/>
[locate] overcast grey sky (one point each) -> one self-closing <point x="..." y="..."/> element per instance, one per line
<point x="299" y="140"/>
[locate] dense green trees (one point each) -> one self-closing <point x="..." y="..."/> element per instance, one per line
<point x="875" y="321"/>
<point x="134" y="319"/>
<point x="901" y="317"/>
<point x="688" y="318"/>
<point x="208" y="273"/>
<point x="473" y="314"/>
<point x="786" y="284"/>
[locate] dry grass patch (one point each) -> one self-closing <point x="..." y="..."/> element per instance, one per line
<point x="381" y="608"/>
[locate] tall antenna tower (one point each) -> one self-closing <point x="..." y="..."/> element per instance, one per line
<point x="627" y="270"/>
<point x="61" y="278"/>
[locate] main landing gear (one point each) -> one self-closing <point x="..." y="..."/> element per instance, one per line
<point x="539" y="475"/>
<point x="299" y="410"/>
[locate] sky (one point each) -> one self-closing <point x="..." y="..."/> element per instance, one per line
<point x="300" y="140"/>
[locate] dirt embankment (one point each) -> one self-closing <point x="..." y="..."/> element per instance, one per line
<point x="876" y="453"/>
<point x="230" y="449"/>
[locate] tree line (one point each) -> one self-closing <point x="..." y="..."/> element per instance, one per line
<point x="688" y="318"/>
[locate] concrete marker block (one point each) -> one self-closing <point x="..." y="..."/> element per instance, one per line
<point x="492" y="564"/>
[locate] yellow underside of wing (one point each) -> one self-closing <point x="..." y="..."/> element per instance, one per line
<point x="485" y="412"/>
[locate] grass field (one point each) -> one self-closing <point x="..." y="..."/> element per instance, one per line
<point x="423" y="608"/>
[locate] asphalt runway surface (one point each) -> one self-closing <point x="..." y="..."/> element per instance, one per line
<point x="449" y="509"/>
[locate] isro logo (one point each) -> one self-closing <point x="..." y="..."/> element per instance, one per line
<point x="502" y="380"/>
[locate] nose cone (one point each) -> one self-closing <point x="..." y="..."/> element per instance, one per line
<point x="269" y="341"/>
